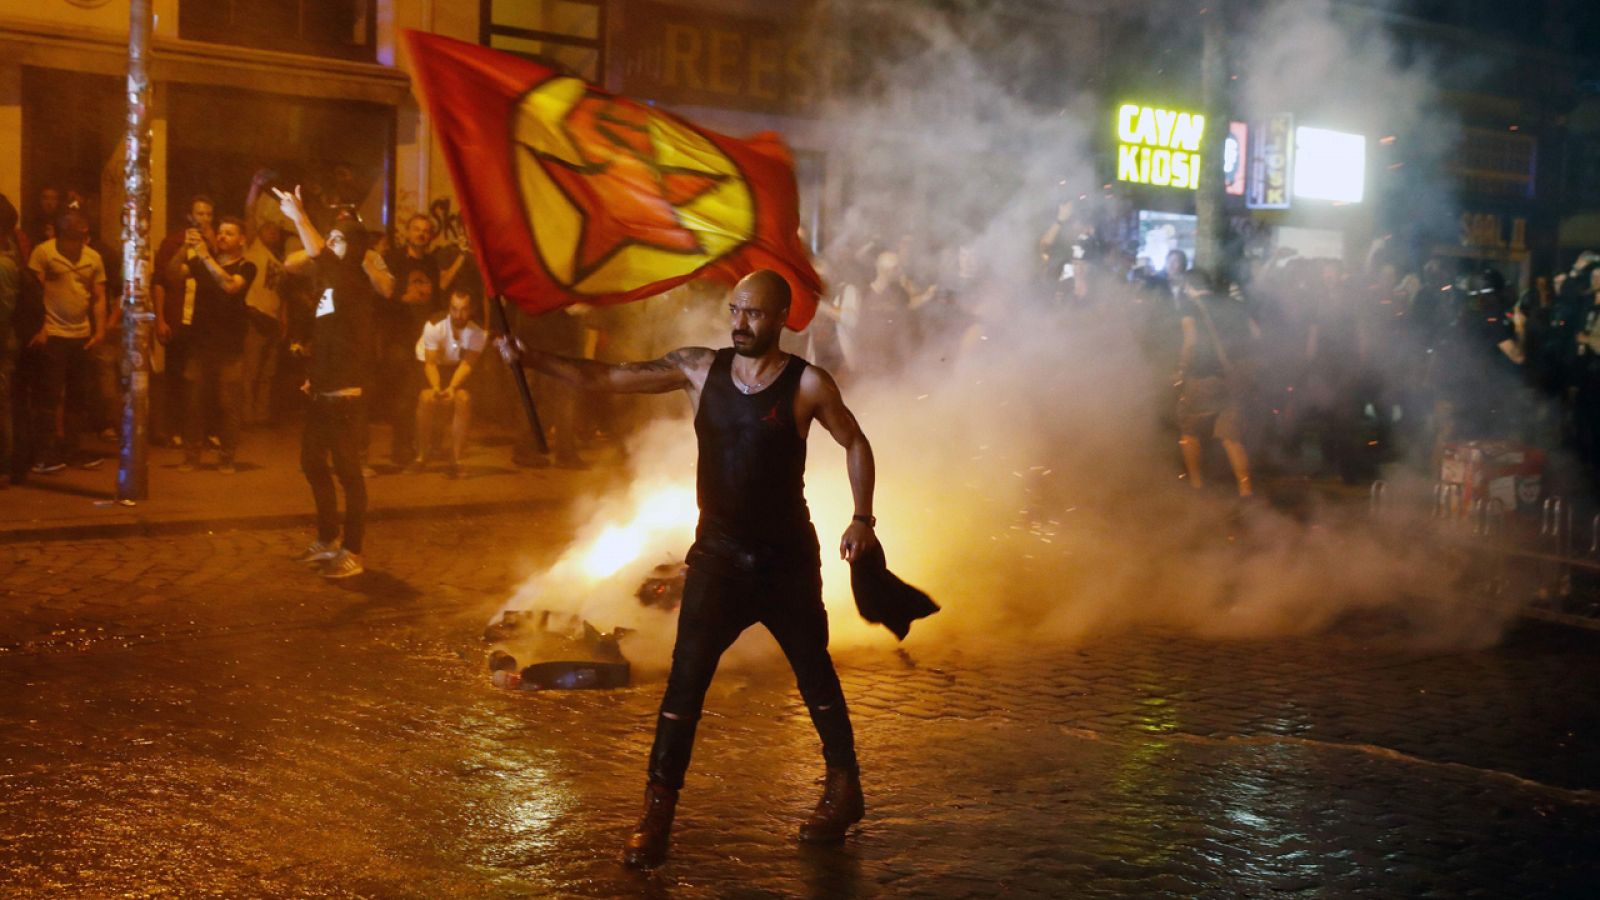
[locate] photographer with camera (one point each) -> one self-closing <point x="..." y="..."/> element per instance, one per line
<point x="173" y="297"/>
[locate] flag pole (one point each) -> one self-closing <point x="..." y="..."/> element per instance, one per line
<point x="520" y="376"/>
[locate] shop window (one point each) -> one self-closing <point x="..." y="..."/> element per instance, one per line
<point x="566" y="34"/>
<point x="346" y="29"/>
<point x="340" y="152"/>
<point x="1160" y="233"/>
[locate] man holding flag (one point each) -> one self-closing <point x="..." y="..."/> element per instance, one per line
<point x="573" y="195"/>
<point x="755" y="557"/>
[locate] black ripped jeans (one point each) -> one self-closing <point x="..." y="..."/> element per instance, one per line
<point x="717" y="607"/>
<point x="333" y="432"/>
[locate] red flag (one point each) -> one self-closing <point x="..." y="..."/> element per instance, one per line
<point x="574" y="195"/>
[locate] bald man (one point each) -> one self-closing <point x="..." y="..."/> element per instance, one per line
<point x="755" y="557"/>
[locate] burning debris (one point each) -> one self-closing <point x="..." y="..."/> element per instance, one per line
<point x="563" y="651"/>
<point x="663" y="589"/>
<point x="574" y="654"/>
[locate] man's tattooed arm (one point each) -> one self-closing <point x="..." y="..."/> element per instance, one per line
<point x="658" y="376"/>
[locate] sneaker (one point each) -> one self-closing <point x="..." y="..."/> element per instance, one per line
<point x="214" y="441"/>
<point x="49" y="468"/>
<point x="369" y="472"/>
<point x="318" y="552"/>
<point x="343" y="565"/>
<point x="110" y="434"/>
<point x="177" y="441"/>
<point x="416" y="465"/>
<point x="91" y="463"/>
<point x="227" y="467"/>
<point x="188" y="465"/>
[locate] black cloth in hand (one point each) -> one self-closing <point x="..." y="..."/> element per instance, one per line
<point x="884" y="599"/>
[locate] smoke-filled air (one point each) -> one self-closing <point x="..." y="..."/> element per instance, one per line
<point x="1028" y="472"/>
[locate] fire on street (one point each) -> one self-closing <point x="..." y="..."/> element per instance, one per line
<point x="241" y="731"/>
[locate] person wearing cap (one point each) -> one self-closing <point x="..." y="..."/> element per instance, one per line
<point x="341" y="359"/>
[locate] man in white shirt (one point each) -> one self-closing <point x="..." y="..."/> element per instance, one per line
<point x="449" y="350"/>
<point x="74" y="280"/>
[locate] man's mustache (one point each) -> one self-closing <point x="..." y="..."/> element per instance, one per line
<point x="748" y="334"/>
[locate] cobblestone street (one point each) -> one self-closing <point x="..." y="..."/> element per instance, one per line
<point x="196" y="715"/>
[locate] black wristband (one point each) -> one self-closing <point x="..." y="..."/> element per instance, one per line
<point x="869" y="521"/>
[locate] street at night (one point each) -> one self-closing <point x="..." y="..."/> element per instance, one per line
<point x="799" y="448"/>
<point x="197" y="715"/>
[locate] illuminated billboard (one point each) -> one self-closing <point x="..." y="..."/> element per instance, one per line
<point x="1271" y="161"/>
<point x="1329" y="165"/>
<point x="1159" y="147"/>
<point x="1233" y="158"/>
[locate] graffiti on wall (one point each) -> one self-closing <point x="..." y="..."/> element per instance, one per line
<point x="447" y="223"/>
<point x="448" y="226"/>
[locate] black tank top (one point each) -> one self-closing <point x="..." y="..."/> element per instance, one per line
<point x="751" y="475"/>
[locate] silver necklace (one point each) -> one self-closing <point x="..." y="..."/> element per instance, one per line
<point x="758" y="386"/>
<point x="746" y="388"/>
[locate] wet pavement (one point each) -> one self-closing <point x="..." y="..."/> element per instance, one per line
<point x="269" y="491"/>
<point x="195" y="715"/>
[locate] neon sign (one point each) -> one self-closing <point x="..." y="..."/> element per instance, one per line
<point x="1159" y="147"/>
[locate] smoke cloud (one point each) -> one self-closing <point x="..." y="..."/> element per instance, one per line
<point x="1025" y="479"/>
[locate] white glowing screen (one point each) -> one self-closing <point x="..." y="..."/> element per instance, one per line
<point x="1329" y="165"/>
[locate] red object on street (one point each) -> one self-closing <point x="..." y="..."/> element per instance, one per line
<point x="1503" y="471"/>
<point x="573" y="195"/>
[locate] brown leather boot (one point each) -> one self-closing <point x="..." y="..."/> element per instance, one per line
<point x="647" y="846"/>
<point x="840" y="807"/>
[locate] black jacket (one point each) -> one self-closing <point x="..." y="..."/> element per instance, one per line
<point x="883" y="599"/>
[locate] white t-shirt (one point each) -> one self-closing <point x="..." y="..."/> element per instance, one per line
<point x="68" y="288"/>
<point x="442" y="338"/>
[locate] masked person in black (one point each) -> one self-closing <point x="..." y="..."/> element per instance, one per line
<point x="341" y="355"/>
<point x="755" y="557"/>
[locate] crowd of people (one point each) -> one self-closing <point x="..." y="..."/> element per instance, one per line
<point x="232" y="334"/>
<point x="1291" y="365"/>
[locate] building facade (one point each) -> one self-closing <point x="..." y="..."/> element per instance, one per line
<point x="318" y="92"/>
<point x="313" y="90"/>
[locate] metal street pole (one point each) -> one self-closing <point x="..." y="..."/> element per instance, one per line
<point x="1211" y="227"/>
<point x="133" y="481"/>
